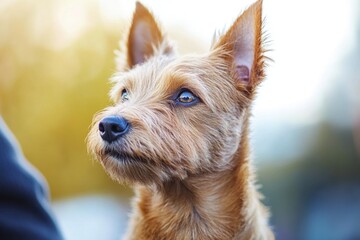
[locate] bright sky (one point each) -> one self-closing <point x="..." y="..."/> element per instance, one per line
<point x="308" y="39"/>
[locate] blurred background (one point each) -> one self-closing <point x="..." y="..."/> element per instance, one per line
<point x="55" y="60"/>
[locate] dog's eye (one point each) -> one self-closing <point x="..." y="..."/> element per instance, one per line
<point x="124" y="95"/>
<point x="186" y="98"/>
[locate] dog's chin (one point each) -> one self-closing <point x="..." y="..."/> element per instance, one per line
<point x="124" y="157"/>
<point x="131" y="169"/>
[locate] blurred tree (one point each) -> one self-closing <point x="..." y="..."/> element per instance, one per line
<point x="49" y="92"/>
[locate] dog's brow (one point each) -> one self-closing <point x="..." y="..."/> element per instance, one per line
<point x="120" y="82"/>
<point x="117" y="77"/>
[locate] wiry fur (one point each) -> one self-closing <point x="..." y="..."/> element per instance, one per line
<point x="189" y="166"/>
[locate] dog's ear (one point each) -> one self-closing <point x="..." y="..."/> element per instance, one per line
<point x="145" y="37"/>
<point x="241" y="46"/>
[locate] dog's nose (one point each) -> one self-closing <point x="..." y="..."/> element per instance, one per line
<point x="113" y="127"/>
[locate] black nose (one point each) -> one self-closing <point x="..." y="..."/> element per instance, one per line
<point x="113" y="127"/>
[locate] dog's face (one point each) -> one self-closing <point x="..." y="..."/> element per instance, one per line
<point x="178" y="116"/>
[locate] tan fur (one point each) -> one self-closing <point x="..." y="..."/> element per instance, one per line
<point x="190" y="166"/>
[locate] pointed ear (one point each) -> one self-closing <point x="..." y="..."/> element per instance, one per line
<point x="144" y="37"/>
<point x="241" y="47"/>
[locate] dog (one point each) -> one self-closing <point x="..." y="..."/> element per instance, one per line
<point x="178" y="132"/>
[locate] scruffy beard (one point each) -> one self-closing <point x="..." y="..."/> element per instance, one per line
<point x="130" y="169"/>
<point x="127" y="167"/>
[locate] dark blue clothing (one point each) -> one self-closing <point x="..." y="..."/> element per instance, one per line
<point x="24" y="207"/>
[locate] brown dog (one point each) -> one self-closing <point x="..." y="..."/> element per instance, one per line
<point x="178" y="132"/>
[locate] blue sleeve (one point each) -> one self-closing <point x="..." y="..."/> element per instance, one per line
<point x="24" y="206"/>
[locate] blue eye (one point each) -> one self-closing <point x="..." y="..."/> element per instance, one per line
<point x="186" y="98"/>
<point x="124" y="95"/>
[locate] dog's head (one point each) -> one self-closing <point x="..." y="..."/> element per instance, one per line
<point x="177" y="116"/>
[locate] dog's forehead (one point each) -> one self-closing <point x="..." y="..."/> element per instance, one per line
<point x="164" y="70"/>
<point x="162" y="74"/>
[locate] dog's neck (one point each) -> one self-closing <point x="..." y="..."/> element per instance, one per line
<point x="217" y="205"/>
<point x="210" y="202"/>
